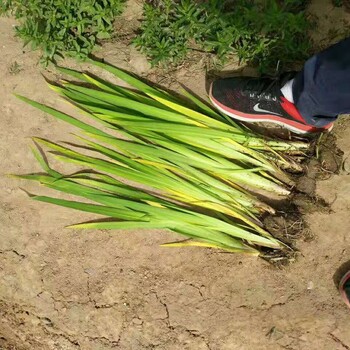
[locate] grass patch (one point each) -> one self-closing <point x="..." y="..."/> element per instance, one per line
<point x="63" y="28"/>
<point x="267" y="33"/>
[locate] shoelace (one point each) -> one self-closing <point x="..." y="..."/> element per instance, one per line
<point x="266" y="87"/>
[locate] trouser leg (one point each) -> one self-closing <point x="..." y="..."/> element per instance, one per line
<point x="321" y="90"/>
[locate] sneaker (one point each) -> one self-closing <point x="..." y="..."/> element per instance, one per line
<point x="344" y="288"/>
<point x="259" y="100"/>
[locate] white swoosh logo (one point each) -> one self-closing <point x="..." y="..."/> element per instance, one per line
<point x="258" y="109"/>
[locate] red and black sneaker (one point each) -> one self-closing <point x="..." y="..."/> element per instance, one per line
<point x="259" y="100"/>
<point x="344" y="288"/>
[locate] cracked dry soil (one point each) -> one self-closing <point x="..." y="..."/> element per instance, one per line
<point x="68" y="290"/>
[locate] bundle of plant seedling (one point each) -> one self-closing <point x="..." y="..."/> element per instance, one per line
<point x="166" y="162"/>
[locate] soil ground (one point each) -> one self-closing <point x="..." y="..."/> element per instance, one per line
<point x="62" y="289"/>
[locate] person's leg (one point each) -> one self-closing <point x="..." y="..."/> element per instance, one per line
<point x="310" y="102"/>
<point x="321" y="90"/>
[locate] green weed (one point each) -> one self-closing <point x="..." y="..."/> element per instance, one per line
<point x="338" y="3"/>
<point x="15" y="68"/>
<point x="63" y="27"/>
<point x="268" y="33"/>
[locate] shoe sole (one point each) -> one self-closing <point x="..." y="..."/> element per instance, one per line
<point x="266" y="120"/>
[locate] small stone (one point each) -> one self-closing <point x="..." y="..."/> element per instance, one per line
<point x="137" y="321"/>
<point x="310" y="285"/>
<point x="275" y="334"/>
<point x="46" y="321"/>
<point x="346" y="164"/>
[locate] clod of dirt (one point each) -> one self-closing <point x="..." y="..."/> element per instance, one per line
<point x="279" y="258"/>
<point x="137" y="321"/>
<point x="330" y="161"/>
<point x="309" y="204"/>
<point x="287" y="227"/>
<point x="306" y="185"/>
<point x="327" y="161"/>
<point x="330" y="156"/>
<point x="307" y="182"/>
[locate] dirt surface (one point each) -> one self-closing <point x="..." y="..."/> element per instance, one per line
<point x="62" y="289"/>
